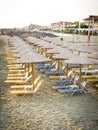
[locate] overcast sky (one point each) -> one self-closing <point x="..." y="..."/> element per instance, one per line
<point x="19" y="13"/>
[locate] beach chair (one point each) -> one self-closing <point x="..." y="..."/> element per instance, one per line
<point x="73" y="66"/>
<point x="57" y="77"/>
<point x="74" y="89"/>
<point x="27" y="91"/>
<point x="46" y="65"/>
<point x="53" y="67"/>
<point x="90" y="76"/>
<point x="17" y="76"/>
<point x="89" y="71"/>
<point x="15" y="67"/>
<point x="93" y="80"/>
<point x="66" y="83"/>
<point x="55" y="71"/>
<point x="14" y="77"/>
<point x="81" y="89"/>
<point x="64" y="79"/>
<point x="60" y="76"/>
<point x="96" y="85"/>
<point x="21" y="81"/>
<point x="16" y="70"/>
<point x="26" y="86"/>
<point x="11" y="58"/>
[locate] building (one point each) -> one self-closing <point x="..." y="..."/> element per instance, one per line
<point x="92" y="21"/>
<point x="60" y="25"/>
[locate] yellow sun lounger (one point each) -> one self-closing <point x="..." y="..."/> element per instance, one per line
<point x="19" y="81"/>
<point x="27" y="91"/>
<point x="57" y="77"/>
<point x="15" y="67"/>
<point x="16" y="75"/>
<point x="10" y="58"/>
<point x="21" y="92"/>
<point x="93" y="80"/>
<point x="25" y="86"/>
<point x="16" y="71"/>
<point x="89" y="76"/>
<point x="19" y="75"/>
<point x="96" y="85"/>
<point x="60" y="76"/>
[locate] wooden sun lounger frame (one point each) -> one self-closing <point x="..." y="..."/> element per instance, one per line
<point x="96" y="85"/>
<point x="19" y="81"/>
<point x="26" y="91"/>
<point x="25" y="86"/>
<point x="89" y="76"/>
<point x="73" y="90"/>
<point x="93" y="80"/>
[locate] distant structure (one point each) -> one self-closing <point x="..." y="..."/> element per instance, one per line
<point x="92" y="22"/>
<point x="61" y="25"/>
<point x="33" y="27"/>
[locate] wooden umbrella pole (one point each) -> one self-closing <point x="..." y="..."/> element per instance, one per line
<point x="45" y="51"/>
<point x="67" y="70"/>
<point x="80" y="76"/>
<point x="58" y="65"/>
<point x="51" y="58"/>
<point x="25" y="67"/>
<point x="78" y="53"/>
<point x="42" y="50"/>
<point x="33" y="75"/>
<point x="28" y="69"/>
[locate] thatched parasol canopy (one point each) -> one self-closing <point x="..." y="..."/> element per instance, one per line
<point x="93" y="55"/>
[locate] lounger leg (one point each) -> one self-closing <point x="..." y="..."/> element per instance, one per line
<point x="72" y="93"/>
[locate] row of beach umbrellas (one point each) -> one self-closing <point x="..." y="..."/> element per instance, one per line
<point x="64" y="52"/>
<point x="28" y="55"/>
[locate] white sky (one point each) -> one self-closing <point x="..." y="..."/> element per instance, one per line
<point x="20" y="13"/>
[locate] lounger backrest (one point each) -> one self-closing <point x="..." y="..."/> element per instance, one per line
<point x="75" y="82"/>
<point x="83" y="84"/>
<point x="56" y="66"/>
<point x="63" y="67"/>
<point x="38" y="85"/>
<point x="76" y="78"/>
<point x="36" y="80"/>
<point x="54" y="63"/>
<point x="28" y="78"/>
<point x="72" y="77"/>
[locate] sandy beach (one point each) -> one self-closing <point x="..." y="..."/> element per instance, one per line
<point x="47" y="109"/>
